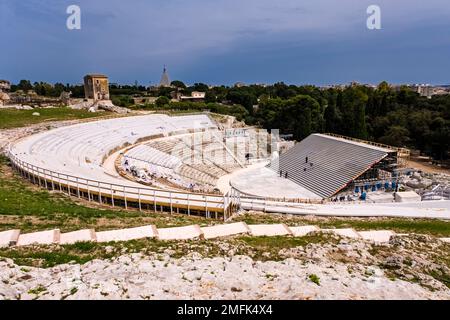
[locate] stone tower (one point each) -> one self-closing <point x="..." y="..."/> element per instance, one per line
<point x="96" y="87"/>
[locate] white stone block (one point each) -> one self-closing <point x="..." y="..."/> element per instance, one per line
<point x="42" y="237"/>
<point x="345" y="232"/>
<point x="407" y="196"/>
<point x="126" y="234"/>
<point x="269" y="230"/>
<point x="77" y="236"/>
<point x="378" y="236"/>
<point x="302" y="231"/>
<point x="9" y="238"/>
<point x="180" y="233"/>
<point x="224" y="230"/>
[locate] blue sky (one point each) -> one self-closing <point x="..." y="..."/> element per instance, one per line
<point x="225" y="41"/>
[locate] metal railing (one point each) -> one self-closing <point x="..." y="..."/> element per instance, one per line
<point x="127" y="196"/>
<point x="252" y="197"/>
<point x="401" y="152"/>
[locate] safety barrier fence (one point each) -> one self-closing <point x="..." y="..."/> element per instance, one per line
<point x="251" y="198"/>
<point x="128" y="196"/>
<point x="402" y="153"/>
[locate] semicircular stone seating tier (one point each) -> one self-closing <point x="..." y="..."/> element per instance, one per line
<point x="81" y="148"/>
<point x="78" y="152"/>
<point x="70" y="159"/>
<point x="192" y="161"/>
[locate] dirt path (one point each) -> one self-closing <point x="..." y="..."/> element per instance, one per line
<point x="425" y="167"/>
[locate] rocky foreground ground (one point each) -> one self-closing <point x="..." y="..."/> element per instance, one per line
<point x="344" y="270"/>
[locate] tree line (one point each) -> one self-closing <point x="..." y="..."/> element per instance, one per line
<point x="398" y="117"/>
<point x="394" y="116"/>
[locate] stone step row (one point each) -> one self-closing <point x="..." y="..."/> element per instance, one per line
<point x="15" y="238"/>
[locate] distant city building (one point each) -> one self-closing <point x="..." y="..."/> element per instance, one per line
<point x="425" y="90"/>
<point x="198" y="95"/>
<point x="260" y="84"/>
<point x="195" y="96"/>
<point x="438" y="91"/>
<point x="96" y="87"/>
<point x="239" y="84"/>
<point x="165" y="81"/>
<point x="5" y="85"/>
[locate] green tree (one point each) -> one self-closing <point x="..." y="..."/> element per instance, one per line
<point x="162" y="101"/>
<point x="384" y="86"/>
<point x="396" y="136"/>
<point x="178" y="84"/>
<point x="332" y="121"/>
<point x="360" y="129"/>
<point x="303" y="116"/>
<point x="269" y="113"/>
<point x="243" y="97"/>
<point x="24" y="85"/>
<point x="440" y="142"/>
<point x="58" y="89"/>
<point x="199" y="87"/>
<point x="210" y="97"/>
<point x="353" y="111"/>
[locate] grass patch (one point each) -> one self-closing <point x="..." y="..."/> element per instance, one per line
<point x="441" y="277"/>
<point x="420" y="226"/>
<point x="314" y="278"/>
<point x="27" y="207"/>
<point x="82" y="252"/>
<point x="13" y="118"/>
<point x="30" y="208"/>
<point x="39" y="289"/>
<point x="45" y="258"/>
<point x="258" y="248"/>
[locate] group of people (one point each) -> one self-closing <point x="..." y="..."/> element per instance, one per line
<point x="151" y="173"/>
<point x="135" y="171"/>
<point x="304" y="168"/>
<point x="285" y="174"/>
<point x="342" y="198"/>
